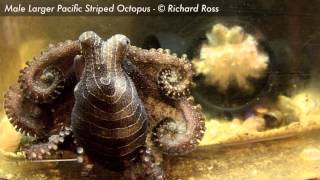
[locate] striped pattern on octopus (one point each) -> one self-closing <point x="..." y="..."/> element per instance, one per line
<point x="108" y="118"/>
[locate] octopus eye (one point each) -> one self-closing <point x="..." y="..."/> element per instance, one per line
<point x="122" y="40"/>
<point x="171" y="83"/>
<point x="127" y="41"/>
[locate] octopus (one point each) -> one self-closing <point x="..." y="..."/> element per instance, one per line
<point x="113" y="104"/>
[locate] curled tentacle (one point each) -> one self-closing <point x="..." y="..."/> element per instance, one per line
<point x="44" y="78"/>
<point x="170" y="83"/>
<point x="171" y="74"/>
<point x="26" y="116"/>
<point x="180" y="137"/>
<point x="37" y="120"/>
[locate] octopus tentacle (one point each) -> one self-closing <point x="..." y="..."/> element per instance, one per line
<point x="171" y="83"/>
<point x="146" y="167"/>
<point x="27" y="117"/>
<point x="177" y="138"/>
<point x="44" y="78"/>
<point x="173" y="75"/>
<point x="45" y="150"/>
<point x="39" y="151"/>
<point x="177" y="123"/>
<point x="151" y="169"/>
<point x="87" y="168"/>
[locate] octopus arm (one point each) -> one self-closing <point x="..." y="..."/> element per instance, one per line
<point x="50" y="148"/>
<point x="150" y="167"/>
<point x="45" y="77"/>
<point x="171" y="74"/>
<point x="177" y="127"/>
<point x="163" y="81"/>
<point x="27" y="117"/>
<point x="36" y="120"/>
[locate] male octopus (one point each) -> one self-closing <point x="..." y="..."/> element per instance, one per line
<point x="114" y="100"/>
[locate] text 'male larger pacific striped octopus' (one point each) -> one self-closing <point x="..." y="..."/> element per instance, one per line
<point x="113" y="103"/>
